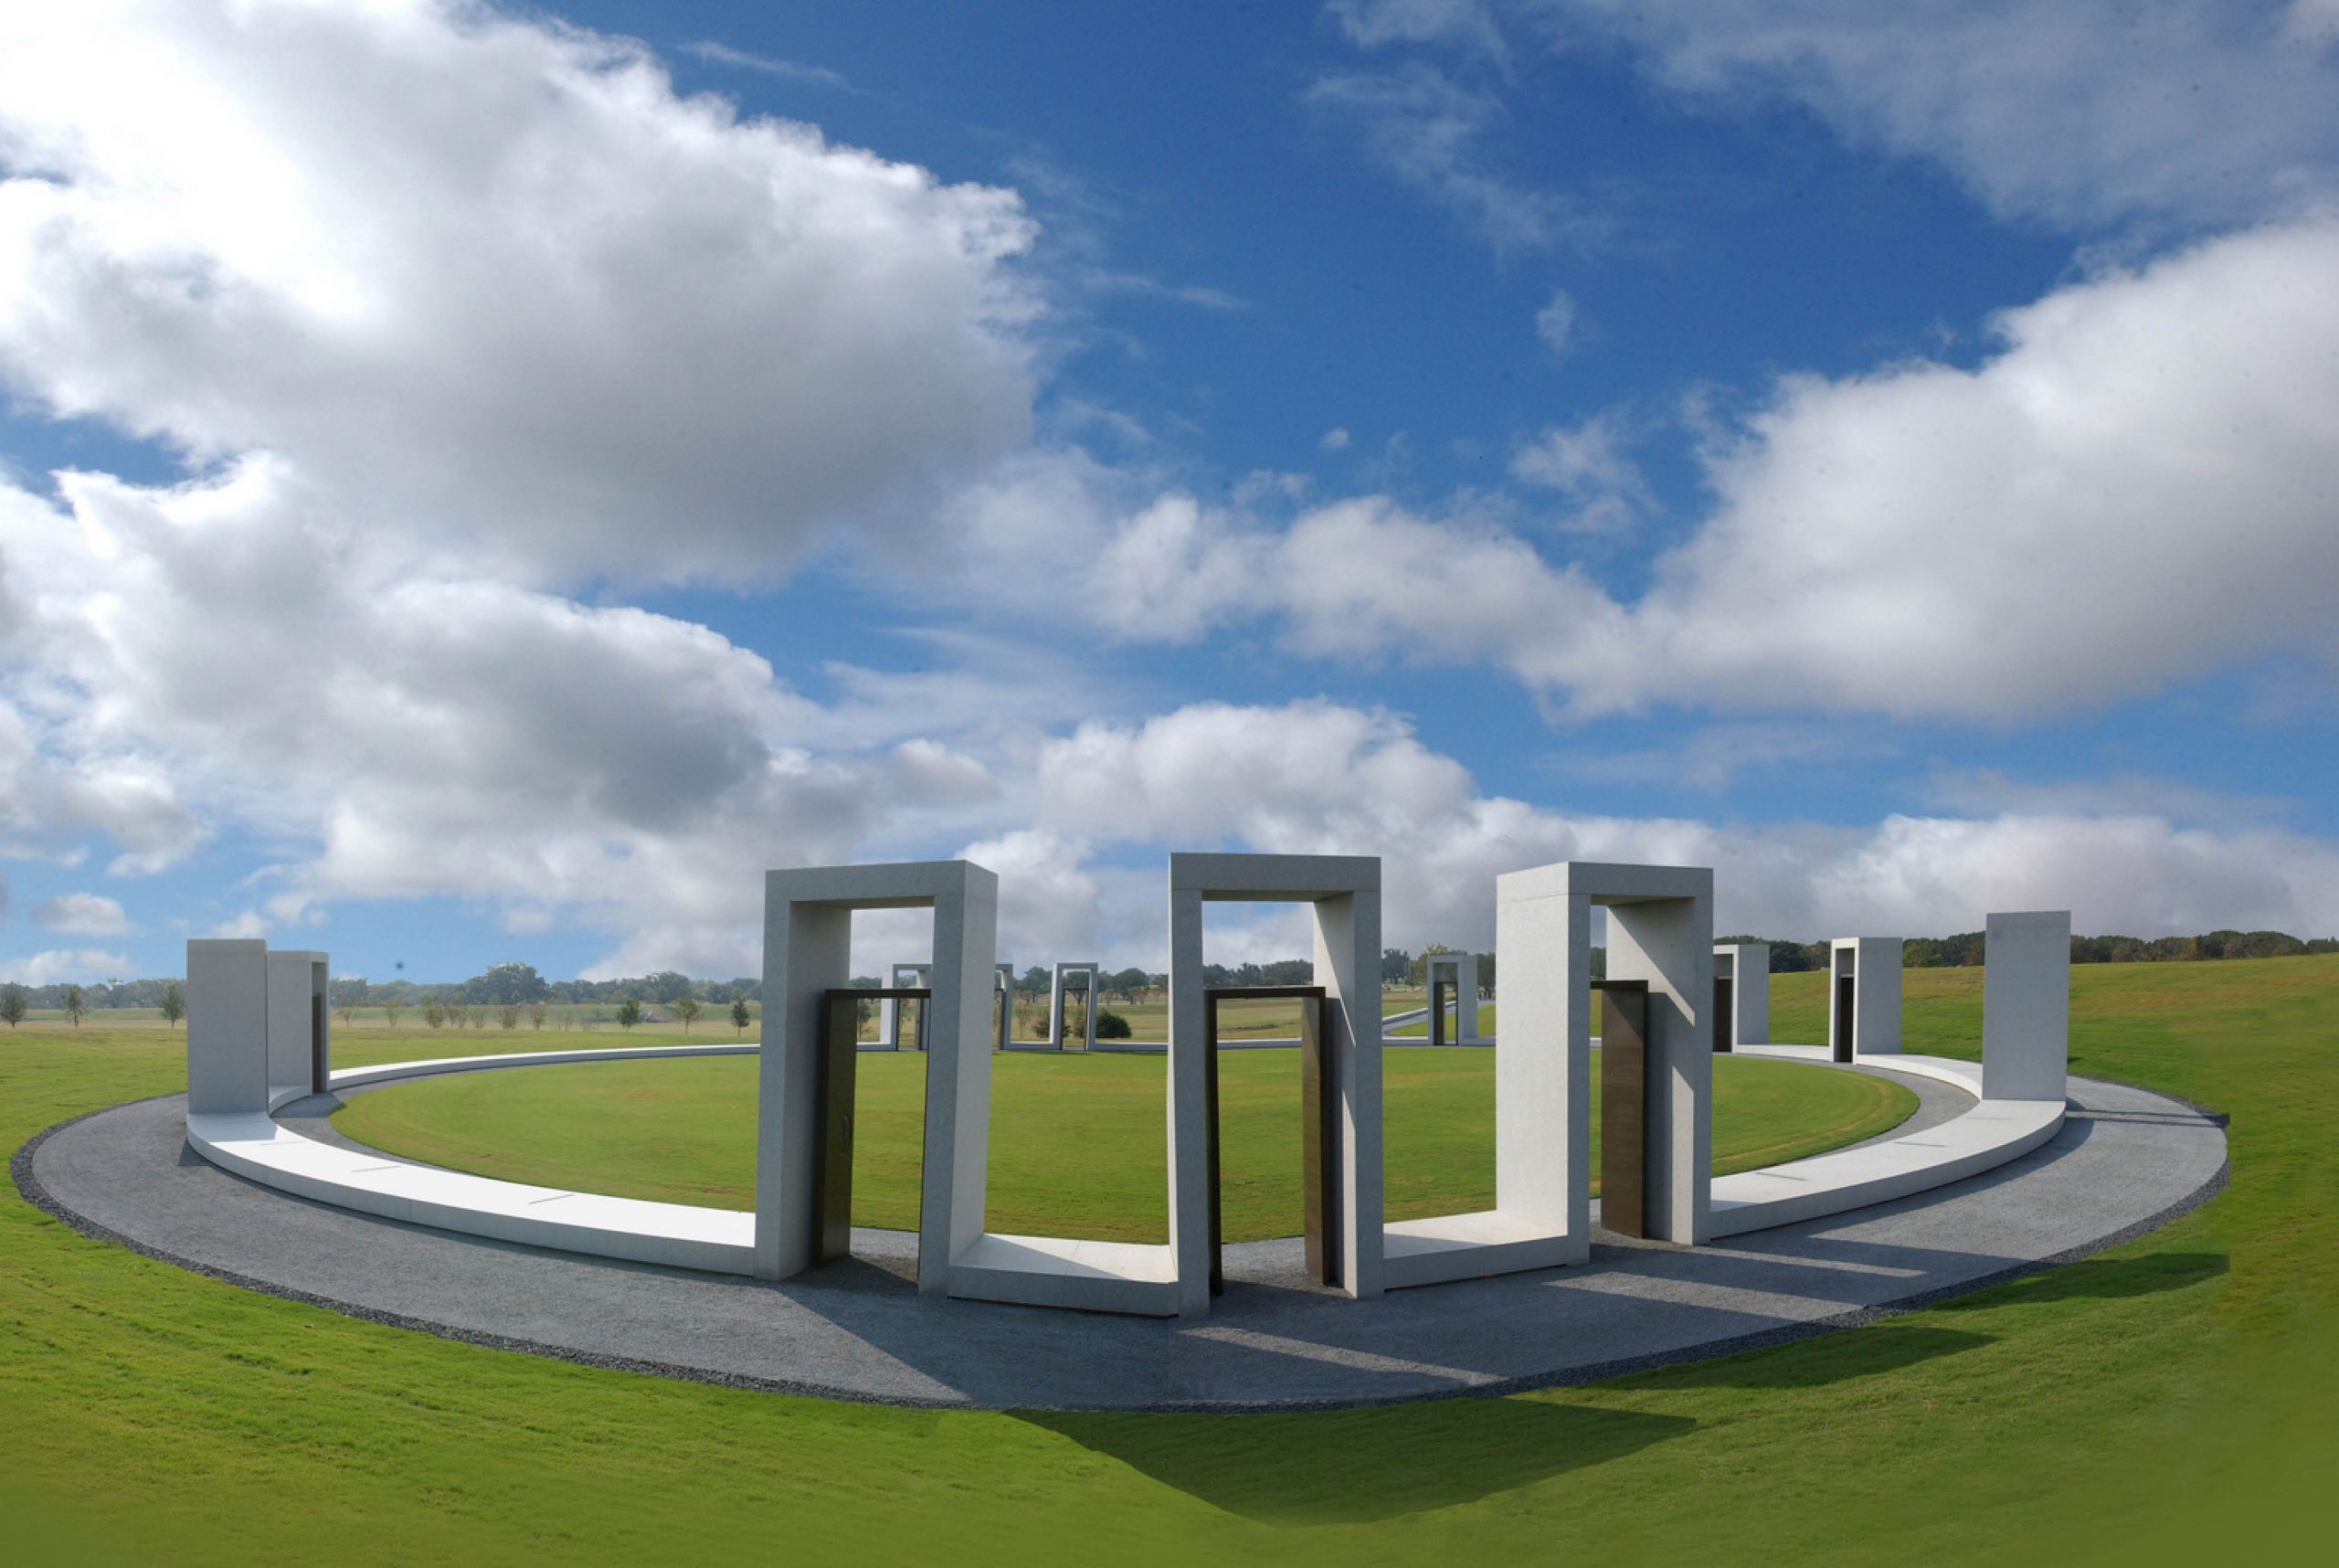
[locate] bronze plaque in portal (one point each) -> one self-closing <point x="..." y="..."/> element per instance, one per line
<point x="1623" y="1106"/>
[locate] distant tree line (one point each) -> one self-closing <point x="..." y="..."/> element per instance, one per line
<point x="1399" y="967"/>
<point x="519" y="989"/>
<point x="115" y="993"/>
<point x="518" y="985"/>
<point x="1964" y="950"/>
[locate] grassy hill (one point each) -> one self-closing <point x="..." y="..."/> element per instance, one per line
<point x="2169" y="1401"/>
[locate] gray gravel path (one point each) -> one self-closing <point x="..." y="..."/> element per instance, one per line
<point x="2128" y="1160"/>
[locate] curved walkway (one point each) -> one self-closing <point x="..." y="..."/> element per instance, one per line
<point x="1983" y="1137"/>
<point x="2124" y="1161"/>
<point x="284" y="1154"/>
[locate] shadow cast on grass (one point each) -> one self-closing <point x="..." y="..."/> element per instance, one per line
<point x="1824" y="1360"/>
<point x="1889" y="1347"/>
<point x="1355" y="1467"/>
<point x="2099" y="1278"/>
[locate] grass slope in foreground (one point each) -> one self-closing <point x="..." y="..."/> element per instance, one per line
<point x="1077" y="1143"/>
<point x="2169" y="1401"/>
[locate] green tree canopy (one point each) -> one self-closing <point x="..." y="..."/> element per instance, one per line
<point x="505" y="985"/>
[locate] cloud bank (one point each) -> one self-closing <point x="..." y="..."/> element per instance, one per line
<point x="504" y="316"/>
<point x="500" y="287"/>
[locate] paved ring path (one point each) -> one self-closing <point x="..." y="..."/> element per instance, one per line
<point x="2126" y="1161"/>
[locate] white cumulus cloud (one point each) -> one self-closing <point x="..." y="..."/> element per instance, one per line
<point x="500" y="285"/>
<point x="1322" y="779"/>
<point x="64" y="964"/>
<point x="2139" y="484"/>
<point x="406" y="734"/>
<point x="2136" y="485"/>
<point x="1370" y="23"/>
<point x="2077" y="113"/>
<point x="81" y="915"/>
<point x="1555" y="322"/>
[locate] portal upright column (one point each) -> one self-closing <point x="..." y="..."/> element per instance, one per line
<point x="226" y="1026"/>
<point x="2027" y="1006"/>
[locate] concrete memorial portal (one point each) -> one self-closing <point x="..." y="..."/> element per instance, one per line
<point x="257" y="1038"/>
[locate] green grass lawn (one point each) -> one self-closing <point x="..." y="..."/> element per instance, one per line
<point x="1077" y="1140"/>
<point x="2169" y="1401"/>
<point x="1420" y="1031"/>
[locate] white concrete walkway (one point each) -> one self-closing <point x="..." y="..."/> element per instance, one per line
<point x="722" y="1241"/>
<point x="1984" y="1138"/>
<point x="682" y="1235"/>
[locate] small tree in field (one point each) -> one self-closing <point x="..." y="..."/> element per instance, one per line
<point x="76" y="1004"/>
<point x="13" y="1004"/>
<point x="537" y="1014"/>
<point x="508" y="1015"/>
<point x="348" y="1011"/>
<point x="740" y="1017"/>
<point x="433" y="1014"/>
<point x="687" y="1009"/>
<point x="390" y="1011"/>
<point x="174" y="1005"/>
<point x="628" y="1012"/>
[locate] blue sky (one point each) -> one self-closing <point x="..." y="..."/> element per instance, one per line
<point x="491" y="508"/>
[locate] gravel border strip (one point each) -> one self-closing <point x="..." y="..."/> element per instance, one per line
<point x="28" y="1187"/>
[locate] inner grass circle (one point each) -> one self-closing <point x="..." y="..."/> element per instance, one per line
<point x="1075" y="1141"/>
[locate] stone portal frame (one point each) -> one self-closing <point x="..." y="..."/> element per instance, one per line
<point x="1006" y="1002"/>
<point x="258" y="1031"/>
<point x="2027" y="1006"/>
<point x="1465" y="968"/>
<point x="1660" y="931"/>
<point x="299" y="1024"/>
<point x="899" y="977"/>
<point x="1747" y="967"/>
<point x="1872" y="1025"/>
<point x="1055" y="1005"/>
<point x="1344" y="894"/>
<point x="808" y="949"/>
<point x="227" y="1027"/>
<point x="1541" y="1216"/>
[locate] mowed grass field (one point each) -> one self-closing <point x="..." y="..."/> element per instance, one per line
<point x="1420" y="1031"/>
<point x="1076" y="1140"/>
<point x="2168" y="1401"/>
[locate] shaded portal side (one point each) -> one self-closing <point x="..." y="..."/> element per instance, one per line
<point x="835" y="1084"/>
<point x="1320" y="1130"/>
<point x="1847" y="1009"/>
<point x="1623" y="1106"/>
